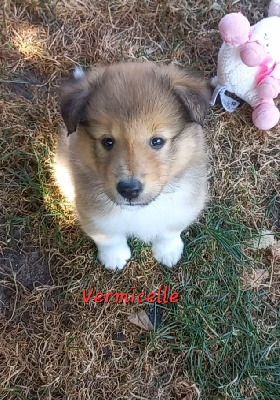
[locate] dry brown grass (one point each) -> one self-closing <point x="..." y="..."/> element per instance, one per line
<point x="52" y="346"/>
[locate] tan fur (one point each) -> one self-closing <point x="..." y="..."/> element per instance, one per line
<point x="132" y="103"/>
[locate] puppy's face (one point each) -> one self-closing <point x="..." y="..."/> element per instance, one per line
<point x="137" y="127"/>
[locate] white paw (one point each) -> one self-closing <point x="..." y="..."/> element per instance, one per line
<point x="168" y="252"/>
<point x="114" y="257"/>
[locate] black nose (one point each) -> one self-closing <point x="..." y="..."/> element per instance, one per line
<point x="129" y="188"/>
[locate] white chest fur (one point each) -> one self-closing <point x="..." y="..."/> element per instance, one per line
<point x="169" y="212"/>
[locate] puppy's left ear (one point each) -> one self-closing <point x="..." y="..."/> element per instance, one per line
<point x="74" y="95"/>
<point x="193" y="91"/>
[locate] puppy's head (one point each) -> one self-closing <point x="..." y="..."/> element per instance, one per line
<point x="137" y="126"/>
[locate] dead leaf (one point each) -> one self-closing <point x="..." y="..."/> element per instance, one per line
<point x="216" y="6"/>
<point x="155" y="313"/>
<point x="265" y="240"/>
<point x="142" y="320"/>
<point x="275" y="249"/>
<point x="255" y="278"/>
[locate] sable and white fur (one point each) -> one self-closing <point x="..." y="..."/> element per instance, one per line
<point x="134" y="102"/>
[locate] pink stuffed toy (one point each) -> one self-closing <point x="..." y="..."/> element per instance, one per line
<point x="249" y="64"/>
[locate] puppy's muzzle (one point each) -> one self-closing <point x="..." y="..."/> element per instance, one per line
<point x="129" y="188"/>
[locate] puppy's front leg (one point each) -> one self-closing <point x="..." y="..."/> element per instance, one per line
<point x="168" y="248"/>
<point x="113" y="251"/>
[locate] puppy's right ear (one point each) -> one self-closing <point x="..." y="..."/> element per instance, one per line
<point x="74" y="95"/>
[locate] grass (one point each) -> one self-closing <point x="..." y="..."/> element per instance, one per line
<point x="221" y="340"/>
<point x="225" y="346"/>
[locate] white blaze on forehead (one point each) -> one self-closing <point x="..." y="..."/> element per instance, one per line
<point x="78" y="73"/>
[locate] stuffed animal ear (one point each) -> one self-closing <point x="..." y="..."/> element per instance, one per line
<point x="194" y="93"/>
<point x="74" y="95"/>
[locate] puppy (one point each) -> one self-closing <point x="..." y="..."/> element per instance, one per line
<point x="134" y="156"/>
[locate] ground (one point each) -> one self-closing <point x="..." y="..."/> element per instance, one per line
<point x="221" y="340"/>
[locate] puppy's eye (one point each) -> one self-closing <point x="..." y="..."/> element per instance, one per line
<point x="108" y="143"/>
<point x="157" y="143"/>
